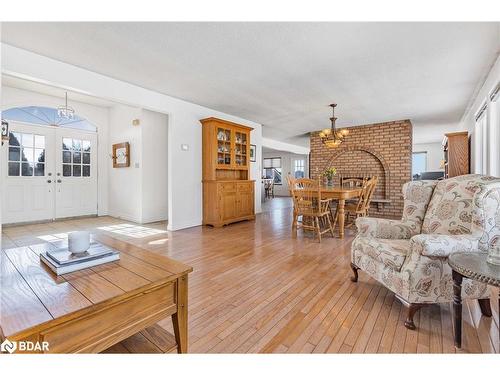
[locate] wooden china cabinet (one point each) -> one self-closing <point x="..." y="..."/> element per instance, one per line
<point x="228" y="192"/>
<point x="456" y="154"/>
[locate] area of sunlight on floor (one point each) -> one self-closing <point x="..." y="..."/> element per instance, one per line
<point x="131" y="230"/>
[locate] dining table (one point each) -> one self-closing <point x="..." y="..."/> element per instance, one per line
<point x="340" y="194"/>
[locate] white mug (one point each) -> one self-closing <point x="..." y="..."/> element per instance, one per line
<point x="78" y="242"/>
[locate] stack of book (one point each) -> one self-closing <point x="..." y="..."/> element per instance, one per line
<point x="62" y="261"/>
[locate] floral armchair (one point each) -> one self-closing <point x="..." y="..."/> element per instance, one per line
<point x="410" y="256"/>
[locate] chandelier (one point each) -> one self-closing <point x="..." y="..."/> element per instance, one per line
<point x="332" y="137"/>
<point x="66" y="112"/>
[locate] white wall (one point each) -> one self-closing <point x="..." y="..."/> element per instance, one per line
<point x="139" y="193"/>
<point x="468" y="122"/>
<point x="154" y="130"/>
<point x="434" y="154"/>
<point x="287" y="164"/>
<point x="184" y="168"/>
<point x="125" y="187"/>
<point x="98" y="116"/>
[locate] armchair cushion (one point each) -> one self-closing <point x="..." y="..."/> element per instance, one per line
<point x="391" y="253"/>
<point x="451" y="208"/>
<point x="386" y="228"/>
<point x="440" y="245"/>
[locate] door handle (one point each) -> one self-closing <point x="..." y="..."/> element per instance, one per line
<point x="59" y="181"/>
<point x="49" y="181"/>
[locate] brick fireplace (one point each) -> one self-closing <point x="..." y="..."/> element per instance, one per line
<point x="382" y="150"/>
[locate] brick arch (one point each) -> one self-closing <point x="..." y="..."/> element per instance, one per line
<point x="372" y="152"/>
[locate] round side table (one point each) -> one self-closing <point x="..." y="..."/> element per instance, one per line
<point x="471" y="266"/>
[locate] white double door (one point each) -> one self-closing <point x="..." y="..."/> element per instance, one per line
<point x="48" y="173"/>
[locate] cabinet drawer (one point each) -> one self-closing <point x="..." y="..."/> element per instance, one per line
<point x="97" y="331"/>
<point x="227" y="186"/>
<point x="245" y="186"/>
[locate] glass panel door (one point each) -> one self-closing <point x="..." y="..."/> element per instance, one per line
<point x="224" y="147"/>
<point x="241" y="149"/>
<point x="28" y="174"/>
<point x="76" y="173"/>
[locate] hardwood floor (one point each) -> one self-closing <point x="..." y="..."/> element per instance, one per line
<point x="254" y="289"/>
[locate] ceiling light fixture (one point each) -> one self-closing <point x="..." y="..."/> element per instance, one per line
<point x="332" y="137"/>
<point x="64" y="111"/>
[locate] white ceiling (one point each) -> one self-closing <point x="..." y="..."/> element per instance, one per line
<point x="284" y="75"/>
<point x="53" y="91"/>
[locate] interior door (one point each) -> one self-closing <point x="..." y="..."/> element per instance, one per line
<point x="76" y="173"/>
<point x="28" y="174"/>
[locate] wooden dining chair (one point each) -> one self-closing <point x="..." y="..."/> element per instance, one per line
<point x="306" y="183"/>
<point x="352" y="182"/>
<point x="302" y="183"/>
<point x="360" y="207"/>
<point x="269" y="188"/>
<point x="290" y="181"/>
<point x="313" y="209"/>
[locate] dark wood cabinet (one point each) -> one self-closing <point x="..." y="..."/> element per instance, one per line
<point x="456" y="154"/>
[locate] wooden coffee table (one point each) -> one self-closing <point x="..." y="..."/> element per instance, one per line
<point x="90" y="310"/>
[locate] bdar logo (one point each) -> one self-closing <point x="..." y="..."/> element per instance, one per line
<point x="8" y="346"/>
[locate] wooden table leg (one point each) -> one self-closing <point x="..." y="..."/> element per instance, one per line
<point x="457" y="307"/>
<point x="179" y="319"/>
<point x="341" y="217"/>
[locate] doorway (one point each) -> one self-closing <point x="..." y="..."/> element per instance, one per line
<point x="49" y="172"/>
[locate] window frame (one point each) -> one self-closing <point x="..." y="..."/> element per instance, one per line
<point x="299" y="168"/>
<point x="412" y="163"/>
<point x="72" y="152"/>
<point x="273" y="169"/>
<point x="481" y="138"/>
<point x="21" y="148"/>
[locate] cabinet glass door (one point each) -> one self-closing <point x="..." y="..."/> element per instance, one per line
<point x="241" y="149"/>
<point x="224" y="147"/>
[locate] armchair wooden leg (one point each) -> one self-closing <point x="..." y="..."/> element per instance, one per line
<point x="355" y="269"/>
<point x="485" y="306"/>
<point x="412" y="309"/>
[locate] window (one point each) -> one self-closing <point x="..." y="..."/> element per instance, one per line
<point x="45" y="116"/>
<point x="418" y="164"/>
<point x="494" y="132"/>
<point x="272" y="170"/>
<point x="299" y="168"/>
<point x="26" y="154"/>
<point x="76" y="158"/>
<point x="481" y="141"/>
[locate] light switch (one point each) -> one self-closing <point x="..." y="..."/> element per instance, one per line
<point x="136" y="165"/>
<point x="185" y="147"/>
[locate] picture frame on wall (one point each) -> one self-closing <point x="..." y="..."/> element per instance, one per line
<point x="121" y="155"/>
<point x="253" y="153"/>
